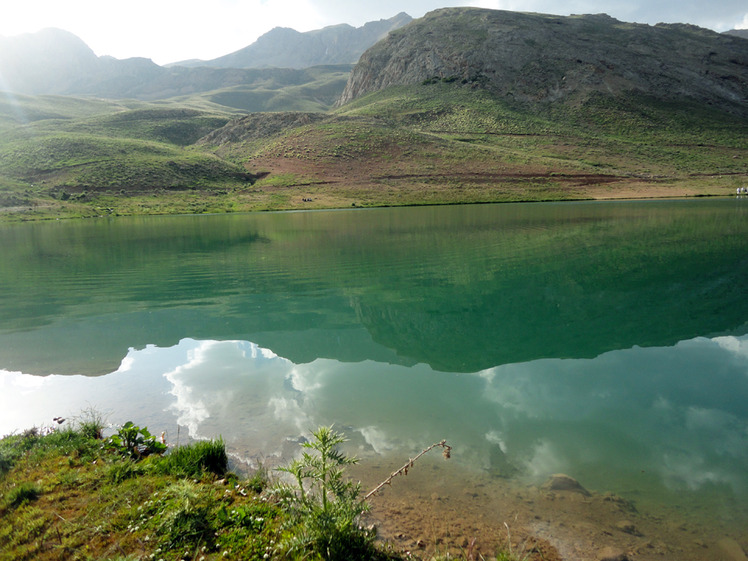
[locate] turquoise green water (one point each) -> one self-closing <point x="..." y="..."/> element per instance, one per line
<point x="604" y="340"/>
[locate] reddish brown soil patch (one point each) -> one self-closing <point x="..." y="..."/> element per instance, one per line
<point x="394" y="179"/>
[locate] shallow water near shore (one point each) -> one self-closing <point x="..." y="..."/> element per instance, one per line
<point x="608" y="341"/>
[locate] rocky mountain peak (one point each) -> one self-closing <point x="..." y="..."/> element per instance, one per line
<point x="545" y="58"/>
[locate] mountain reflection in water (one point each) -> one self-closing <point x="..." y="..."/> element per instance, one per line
<point x="461" y="289"/>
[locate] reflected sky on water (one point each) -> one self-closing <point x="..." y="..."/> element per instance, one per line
<point x="619" y="418"/>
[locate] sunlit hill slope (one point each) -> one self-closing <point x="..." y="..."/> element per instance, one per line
<point x="463" y="105"/>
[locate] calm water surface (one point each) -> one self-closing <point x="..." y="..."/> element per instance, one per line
<point x="604" y="340"/>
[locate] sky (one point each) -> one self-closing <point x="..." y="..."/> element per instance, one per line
<point x="173" y="30"/>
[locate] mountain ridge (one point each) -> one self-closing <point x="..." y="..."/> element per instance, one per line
<point x="541" y="58"/>
<point x="543" y="65"/>
<point x="287" y="48"/>
<point x="54" y="61"/>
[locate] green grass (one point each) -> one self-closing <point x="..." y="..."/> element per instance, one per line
<point x="627" y="136"/>
<point x="65" y="494"/>
<point x="172" y="125"/>
<point x="440" y="142"/>
<point x="192" y="461"/>
<point x="22" y="494"/>
<point x="311" y="89"/>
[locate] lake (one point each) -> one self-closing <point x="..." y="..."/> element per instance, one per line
<point x="607" y="341"/>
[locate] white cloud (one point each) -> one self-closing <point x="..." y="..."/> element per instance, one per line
<point x="286" y="410"/>
<point x="191" y="409"/>
<point x="305" y="379"/>
<point x="691" y="471"/>
<point x="220" y="381"/>
<point x="377" y="439"/>
<point x="545" y="460"/>
<point x="735" y="345"/>
<point x="126" y="363"/>
<point x="494" y="437"/>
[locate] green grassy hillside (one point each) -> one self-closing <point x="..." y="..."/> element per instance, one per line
<point x="320" y="90"/>
<point x="627" y="135"/>
<point x="444" y="143"/>
<point x="434" y="143"/>
<point x="64" y="156"/>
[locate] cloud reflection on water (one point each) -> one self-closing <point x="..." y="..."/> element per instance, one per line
<point x="676" y="415"/>
<point x="622" y="412"/>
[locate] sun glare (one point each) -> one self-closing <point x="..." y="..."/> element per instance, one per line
<point x="7" y="97"/>
<point x="165" y="31"/>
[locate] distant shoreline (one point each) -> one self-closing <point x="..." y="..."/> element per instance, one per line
<point x="321" y="197"/>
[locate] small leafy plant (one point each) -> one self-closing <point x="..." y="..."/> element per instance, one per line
<point x="135" y="442"/>
<point x="325" y="508"/>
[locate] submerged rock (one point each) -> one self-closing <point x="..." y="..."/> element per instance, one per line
<point x="628" y="528"/>
<point x="563" y="482"/>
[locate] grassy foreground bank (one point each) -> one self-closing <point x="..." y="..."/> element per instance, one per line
<point x="71" y="494"/>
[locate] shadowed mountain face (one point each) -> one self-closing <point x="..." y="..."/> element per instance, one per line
<point x="57" y="62"/>
<point x="54" y="61"/>
<point x="738" y="33"/>
<point x="286" y="48"/>
<point x="31" y="63"/>
<point x="543" y="58"/>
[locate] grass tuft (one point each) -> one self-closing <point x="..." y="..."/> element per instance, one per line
<point x="22" y="494"/>
<point x="195" y="460"/>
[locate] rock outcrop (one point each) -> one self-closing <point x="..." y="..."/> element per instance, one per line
<point x="543" y="58"/>
<point x="259" y="125"/>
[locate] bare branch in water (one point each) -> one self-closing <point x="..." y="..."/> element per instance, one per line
<point x="446" y="452"/>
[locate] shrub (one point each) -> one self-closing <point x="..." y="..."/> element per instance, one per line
<point x="123" y="470"/>
<point x="259" y="481"/>
<point x="91" y="424"/>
